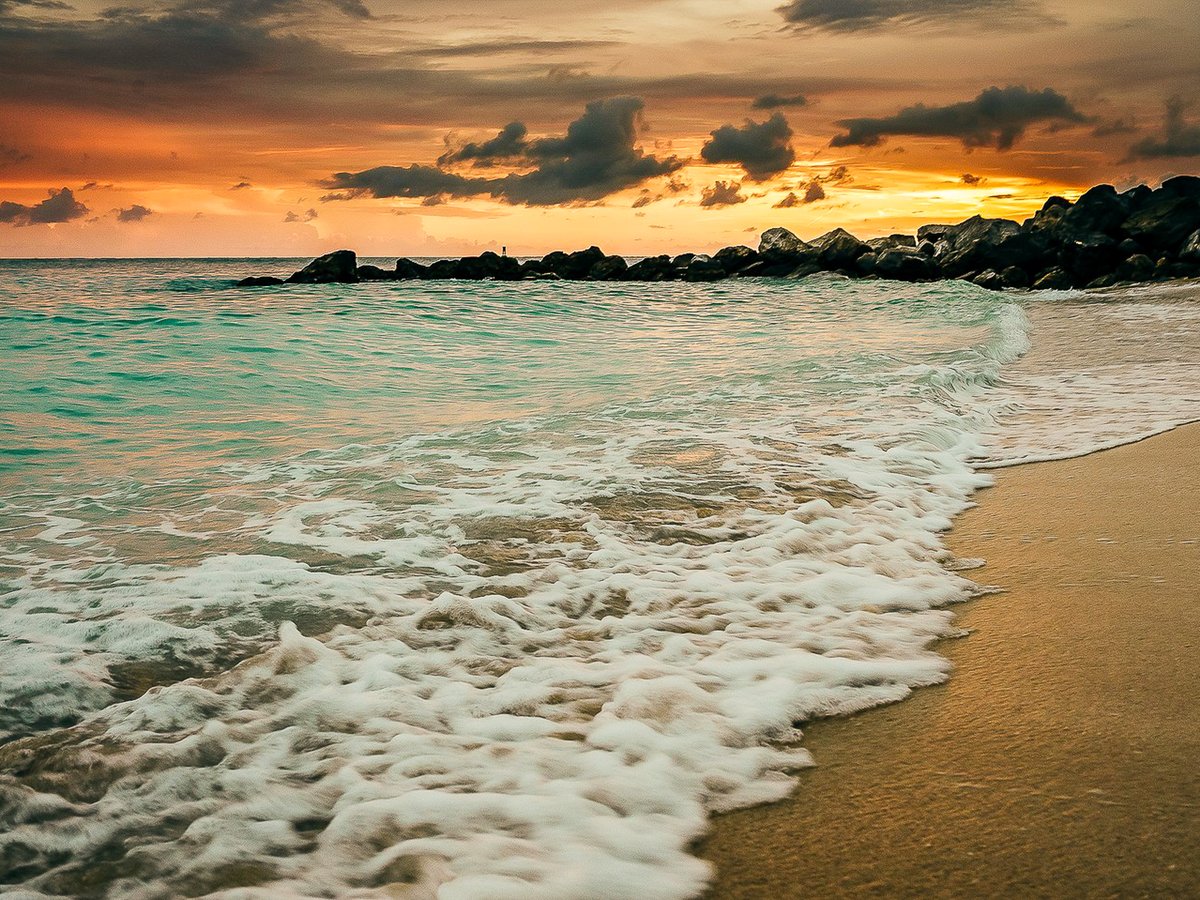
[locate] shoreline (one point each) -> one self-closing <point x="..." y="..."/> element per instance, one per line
<point x="1059" y="760"/>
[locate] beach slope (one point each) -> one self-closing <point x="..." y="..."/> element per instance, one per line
<point x="1063" y="757"/>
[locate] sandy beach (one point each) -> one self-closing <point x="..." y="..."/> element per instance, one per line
<point x="1061" y="758"/>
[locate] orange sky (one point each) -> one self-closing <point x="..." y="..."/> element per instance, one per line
<point x="220" y="127"/>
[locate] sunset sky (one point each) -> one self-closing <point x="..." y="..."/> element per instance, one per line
<point x="293" y="127"/>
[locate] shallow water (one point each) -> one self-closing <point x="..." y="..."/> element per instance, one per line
<point x="481" y="589"/>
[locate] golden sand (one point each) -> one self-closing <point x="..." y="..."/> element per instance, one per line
<point x="1063" y="757"/>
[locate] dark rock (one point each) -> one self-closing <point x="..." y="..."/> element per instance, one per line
<point x="573" y="266"/>
<point x="260" y="281"/>
<point x="406" y="268"/>
<point x="1101" y="210"/>
<point x="865" y="264"/>
<point x="754" y="270"/>
<point x="905" y="264"/>
<point x="932" y="233"/>
<point x="780" y="241"/>
<point x="1056" y="202"/>
<point x="702" y="268"/>
<point x="1128" y="247"/>
<point x="1164" y="222"/>
<point x="891" y="242"/>
<point x="1014" y="277"/>
<point x="488" y="265"/>
<point x="1089" y="256"/>
<point x="1138" y="195"/>
<point x="652" y="268"/>
<point x="735" y="259"/>
<point x="1190" y="251"/>
<point x="839" y="249"/>
<point x="982" y="244"/>
<point x="339" y="267"/>
<point x="927" y="248"/>
<point x="611" y="268"/>
<point x="683" y="260"/>
<point x="1055" y="279"/>
<point x="1047" y="221"/>
<point x="1138" y="267"/>
<point x="442" y="270"/>
<point x="1182" y="186"/>
<point x="990" y="280"/>
<point x="1103" y="281"/>
<point x="803" y="271"/>
<point x="374" y="273"/>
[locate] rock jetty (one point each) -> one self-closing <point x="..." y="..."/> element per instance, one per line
<point x="1104" y="238"/>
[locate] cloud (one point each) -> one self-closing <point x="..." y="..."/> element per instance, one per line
<point x="1179" y="138"/>
<point x="813" y="192"/>
<point x="722" y="193"/>
<point x="595" y="158"/>
<point x="972" y="180"/>
<point x="60" y="206"/>
<point x="135" y="213"/>
<point x="10" y="156"/>
<point x="306" y="216"/>
<point x="7" y="6"/>
<point x="998" y="118"/>
<point x="774" y="101"/>
<point x="241" y="186"/>
<point x="862" y="15"/>
<point x="762" y="149"/>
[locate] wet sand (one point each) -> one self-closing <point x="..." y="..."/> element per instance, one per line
<point x="1063" y="757"/>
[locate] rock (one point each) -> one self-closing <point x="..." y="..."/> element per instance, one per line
<point x="339" y="267"/>
<point x="780" y="241"/>
<point x="803" y="271"/>
<point x="980" y="244"/>
<point x="1138" y="267"/>
<point x="1102" y="282"/>
<point x="927" y="248"/>
<point x="488" y="266"/>
<point x="905" y="264"/>
<point x="839" y="249"/>
<point x="683" y="260"/>
<point x="933" y="233"/>
<point x="1138" y="195"/>
<point x="891" y="242"/>
<point x="1089" y="256"/>
<point x="735" y="259"/>
<point x="1128" y="247"/>
<point x="865" y="264"/>
<point x="1055" y="279"/>
<point x="1014" y="277"/>
<point x="442" y="270"/>
<point x="573" y="266"/>
<point x="1190" y="251"/>
<point x="652" y="268"/>
<point x="374" y="273"/>
<point x="990" y="280"/>
<point x="1182" y="186"/>
<point x="406" y="268"/>
<point x="1046" y="221"/>
<point x="1056" y="202"/>
<point x="754" y="270"/>
<point x="1101" y="210"/>
<point x="259" y="281"/>
<point x="1164" y="222"/>
<point x="702" y="268"/>
<point x="611" y="268"/>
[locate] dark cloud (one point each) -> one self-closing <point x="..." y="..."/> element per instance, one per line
<point x="723" y="193"/>
<point x="762" y="149"/>
<point x="1179" y="138"/>
<point x="774" y="101"/>
<point x="998" y="118"/>
<point x="814" y="192"/>
<point x="789" y="201"/>
<point x="8" y="6"/>
<point x="494" y="48"/>
<point x="861" y="15"/>
<point x="306" y="216"/>
<point x="10" y="156"/>
<point x="972" y="180"/>
<point x="241" y="186"/>
<point x="1113" y="127"/>
<point x="134" y="213"/>
<point x="595" y="158"/>
<point x="60" y="206"/>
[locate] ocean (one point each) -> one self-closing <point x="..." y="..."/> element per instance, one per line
<point x="490" y="590"/>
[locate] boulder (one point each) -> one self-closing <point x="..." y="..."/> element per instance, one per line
<point x="989" y="280"/>
<point x="259" y="281"/>
<point x="1101" y="210"/>
<point x="1164" y="222"/>
<point x="980" y="244"/>
<point x="442" y="270"/>
<point x="892" y="241"/>
<point x="780" y="241"/>
<point x="374" y="273"/>
<point x="1055" y="279"/>
<point x="574" y="266"/>
<point x="339" y="267"/>
<point x="1047" y="221"/>
<point x="652" y="268"/>
<point x="927" y="248"/>
<point x="1137" y="195"/>
<point x="1014" y="277"/>
<point x="406" y="268"/>
<point x="1190" y="251"/>
<point x="735" y="259"/>
<point x="932" y="233"/>
<point x="865" y="264"/>
<point x="611" y="268"/>
<point x="1089" y="256"/>
<point x="839" y="249"/>
<point x="1138" y="267"/>
<point x="1182" y="186"/>
<point x="904" y="264"/>
<point x="702" y="268"/>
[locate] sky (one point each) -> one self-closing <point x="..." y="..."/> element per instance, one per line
<point x="398" y="127"/>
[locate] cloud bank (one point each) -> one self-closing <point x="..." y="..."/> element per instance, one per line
<point x="763" y="149"/>
<point x="60" y="206"/>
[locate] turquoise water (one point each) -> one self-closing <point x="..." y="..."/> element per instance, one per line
<point x="469" y="589"/>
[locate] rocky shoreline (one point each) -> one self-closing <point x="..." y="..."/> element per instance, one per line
<point x="1104" y="238"/>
